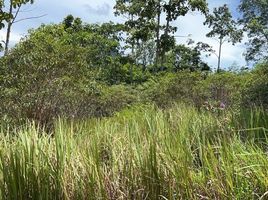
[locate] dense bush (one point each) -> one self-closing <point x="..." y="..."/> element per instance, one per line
<point x="113" y="99"/>
<point x="77" y="71"/>
<point x="118" y="73"/>
<point x="165" y="89"/>
<point x="56" y="72"/>
<point x="224" y="87"/>
<point x="197" y="88"/>
<point x="256" y="91"/>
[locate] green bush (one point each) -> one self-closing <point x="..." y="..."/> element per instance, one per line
<point x="225" y="87"/>
<point x="256" y="91"/>
<point x="165" y="89"/>
<point x="200" y="87"/>
<point x="118" y="73"/>
<point x="113" y="99"/>
<point x="53" y="72"/>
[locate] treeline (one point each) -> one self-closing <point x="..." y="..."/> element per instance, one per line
<point x="80" y="70"/>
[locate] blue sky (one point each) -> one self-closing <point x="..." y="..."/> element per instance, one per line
<point x="92" y="11"/>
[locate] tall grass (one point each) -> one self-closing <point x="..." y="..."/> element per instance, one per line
<point x="142" y="153"/>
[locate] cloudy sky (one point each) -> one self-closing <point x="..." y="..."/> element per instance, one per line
<point x="98" y="11"/>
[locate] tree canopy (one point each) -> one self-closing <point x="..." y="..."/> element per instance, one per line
<point x="255" y="21"/>
<point x="224" y="28"/>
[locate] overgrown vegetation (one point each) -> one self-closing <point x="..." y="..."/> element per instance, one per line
<point x="141" y="153"/>
<point x="122" y="111"/>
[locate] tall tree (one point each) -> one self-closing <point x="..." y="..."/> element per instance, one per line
<point x="9" y="11"/>
<point x="255" y="21"/>
<point x="138" y="25"/>
<point x="173" y="9"/>
<point x="224" y="28"/>
<point x="4" y="16"/>
<point x="145" y="20"/>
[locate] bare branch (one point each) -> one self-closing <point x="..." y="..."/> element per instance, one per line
<point x="16" y="14"/>
<point x="215" y="54"/>
<point x="28" y="18"/>
<point x="225" y="40"/>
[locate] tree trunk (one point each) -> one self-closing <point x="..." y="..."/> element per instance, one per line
<point x="219" y="57"/>
<point x="158" y="33"/>
<point x="132" y="54"/>
<point x="9" y="25"/>
<point x="168" y="19"/>
<point x="144" y="59"/>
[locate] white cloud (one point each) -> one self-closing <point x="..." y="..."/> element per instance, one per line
<point x="101" y="10"/>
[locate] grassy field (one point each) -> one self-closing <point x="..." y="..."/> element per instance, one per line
<point x="141" y="153"/>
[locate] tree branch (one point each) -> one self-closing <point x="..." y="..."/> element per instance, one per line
<point x="215" y="54"/>
<point x="265" y="35"/>
<point x="16" y="14"/>
<point x="28" y="18"/>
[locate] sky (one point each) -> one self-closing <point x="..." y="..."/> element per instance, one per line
<point x="99" y="11"/>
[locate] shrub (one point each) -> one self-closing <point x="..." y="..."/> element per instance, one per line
<point x="225" y="87"/>
<point x="165" y="89"/>
<point x="197" y="88"/>
<point x="112" y="99"/>
<point x="52" y="73"/>
<point x="256" y="90"/>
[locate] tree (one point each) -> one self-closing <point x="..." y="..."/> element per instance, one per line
<point x="139" y="24"/>
<point x="59" y="77"/>
<point x="68" y="21"/>
<point x="144" y="20"/>
<point x="224" y="29"/>
<point x="9" y="16"/>
<point x="173" y="9"/>
<point x="4" y="16"/>
<point x="145" y="53"/>
<point x="184" y="57"/>
<point x="255" y="21"/>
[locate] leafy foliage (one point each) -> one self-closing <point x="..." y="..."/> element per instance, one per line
<point x="255" y="21"/>
<point x="9" y="10"/>
<point x="144" y="21"/>
<point x="78" y="70"/>
<point x="190" y="133"/>
<point x="183" y="57"/>
<point x="60" y="77"/>
<point x="166" y="89"/>
<point x="5" y="15"/>
<point x="256" y="90"/>
<point x="224" y="28"/>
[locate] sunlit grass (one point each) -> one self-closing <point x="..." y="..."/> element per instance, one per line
<point x="141" y="153"/>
